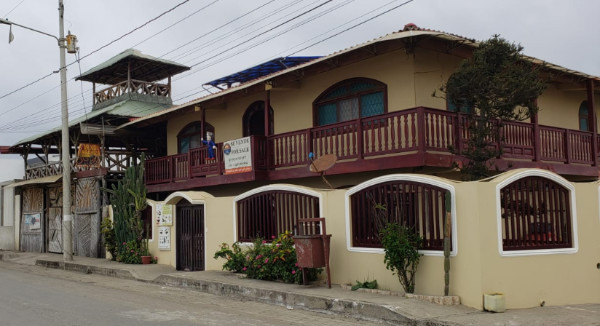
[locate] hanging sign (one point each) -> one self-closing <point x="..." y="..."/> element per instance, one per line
<point x="237" y="155"/>
<point x="164" y="238"/>
<point x="88" y="155"/>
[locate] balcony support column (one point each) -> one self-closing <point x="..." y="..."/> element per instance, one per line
<point x="267" y="106"/>
<point x="590" y="101"/>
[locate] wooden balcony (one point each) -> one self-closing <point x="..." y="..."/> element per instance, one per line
<point x="131" y="87"/>
<point x="410" y="138"/>
<point x="115" y="162"/>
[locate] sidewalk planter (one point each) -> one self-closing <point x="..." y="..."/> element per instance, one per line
<point x="494" y="302"/>
<point x="146" y="260"/>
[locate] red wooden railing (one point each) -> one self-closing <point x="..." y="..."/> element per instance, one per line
<point x="417" y="130"/>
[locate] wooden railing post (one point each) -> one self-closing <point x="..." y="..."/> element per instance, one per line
<point x="457" y="133"/>
<point x="537" y="138"/>
<point x="421" y="129"/>
<point x="567" y="146"/>
<point x="359" y="140"/>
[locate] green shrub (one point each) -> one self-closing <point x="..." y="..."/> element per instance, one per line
<point x="401" y="245"/>
<point x="236" y="258"/>
<point x="274" y="261"/>
<point x="364" y="285"/>
<point x="110" y="240"/>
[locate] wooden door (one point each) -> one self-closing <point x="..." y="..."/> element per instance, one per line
<point x="55" y="220"/>
<point x="190" y="237"/>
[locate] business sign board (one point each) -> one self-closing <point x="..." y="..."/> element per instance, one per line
<point x="237" y="155"/>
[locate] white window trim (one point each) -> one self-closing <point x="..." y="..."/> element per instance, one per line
<point x="535" y="252"/>
<point x="401" y="177"/>
<point x="268" y="188"/>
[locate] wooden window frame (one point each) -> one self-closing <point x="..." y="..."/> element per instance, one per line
<point x="382" y="87"/>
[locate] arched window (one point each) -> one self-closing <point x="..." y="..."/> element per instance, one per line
<point x="584" y="117"/>
<point x="535" y="213"/>
<point x="253" y="121"/>
<point x="190" y="136"/>
<point x="413" y="204"/>
<point x="350" y="99"/>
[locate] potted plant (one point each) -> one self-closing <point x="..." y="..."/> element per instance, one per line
<point x="144" y="251"/>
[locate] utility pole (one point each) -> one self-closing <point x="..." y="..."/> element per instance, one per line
<point x="63" y="44"/>
<point x="65" y="147"/>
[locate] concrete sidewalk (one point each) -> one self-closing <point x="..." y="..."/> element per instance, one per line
<point x="392" y="309"/>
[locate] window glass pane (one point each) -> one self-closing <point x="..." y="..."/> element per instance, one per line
<point x="195" y="141"/>
<point x="371" y="104"/>
<point x="184" y="144"/>
<point x="327" y="114"/>
<point x="348" y="109"/>
<point x="338" y="92"/>
<point x="362" y="86"/>
<point x="583" y="124"/>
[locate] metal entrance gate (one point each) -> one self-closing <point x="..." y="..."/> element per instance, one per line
<point x="190" y="237"/>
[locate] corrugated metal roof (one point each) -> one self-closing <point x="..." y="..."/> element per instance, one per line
<point x="410" y="30"/>
<point x="260" y="70"/>
<point x="44" y="180"/>
<point x="143" y="67"/>
<point x="128" y="108"/>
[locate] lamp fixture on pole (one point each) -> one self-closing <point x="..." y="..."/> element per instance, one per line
<point x="63" y="44"/>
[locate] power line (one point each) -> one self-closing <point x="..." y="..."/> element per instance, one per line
<point x="15" y="7"/>
<point x="95" y="51"/>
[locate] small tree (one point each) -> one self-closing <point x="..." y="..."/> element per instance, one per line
<point x="497" y="84"/>
<point x="402" y="256"/>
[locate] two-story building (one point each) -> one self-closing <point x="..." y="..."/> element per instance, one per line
<point x="302" y="137"/>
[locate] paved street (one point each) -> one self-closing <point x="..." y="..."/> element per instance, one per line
<point x="33" y="295"/>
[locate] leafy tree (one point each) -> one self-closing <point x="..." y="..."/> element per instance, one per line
<point x="496" y="84"/>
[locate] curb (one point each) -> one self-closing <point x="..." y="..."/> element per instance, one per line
<point x="343" y="307"/>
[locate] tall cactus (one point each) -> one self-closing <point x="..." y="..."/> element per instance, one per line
<point x="129" y="200"/>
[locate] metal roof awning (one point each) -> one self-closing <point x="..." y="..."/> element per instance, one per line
<point x="141" y="66"/>
<point x="128" y="108"/>
<point x="44" y="180"/>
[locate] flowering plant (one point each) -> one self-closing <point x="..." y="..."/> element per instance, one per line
<point x="266" y="261"/>
<point x="130" y="252"/>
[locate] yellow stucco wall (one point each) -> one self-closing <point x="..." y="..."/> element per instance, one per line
<point x="411" y="80"/>
<point x="477" y="268"/>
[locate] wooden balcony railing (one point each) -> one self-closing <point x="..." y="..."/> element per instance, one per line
<point x="413" y="131"/>
<point x="115" y="162"/>
<point x="132" y="86"/>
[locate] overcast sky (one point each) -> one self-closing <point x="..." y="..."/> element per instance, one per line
<point x="230" y="35"/>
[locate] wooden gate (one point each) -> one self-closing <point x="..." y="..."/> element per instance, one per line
<point x="86" y="226"/>
<point x="190" y="237"/>
<point x="55" y="220"/>
<point x="32" y="220"/>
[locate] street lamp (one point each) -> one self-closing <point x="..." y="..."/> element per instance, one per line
<point x="65" y="148"/>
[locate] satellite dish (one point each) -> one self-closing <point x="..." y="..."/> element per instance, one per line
<point x="322" y="164"/>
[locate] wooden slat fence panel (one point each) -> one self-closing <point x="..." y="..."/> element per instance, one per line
<point x="268" y="214"/>
<point x="416" y="205"/>
<point x="536" y="214"/>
